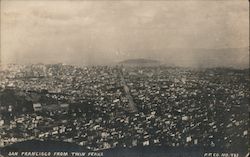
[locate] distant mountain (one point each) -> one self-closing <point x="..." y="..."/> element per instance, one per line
<point x="140" y="62"/>
<point x="199" y="57"/>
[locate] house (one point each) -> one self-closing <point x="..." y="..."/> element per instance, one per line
<point x="37" y="107"/>
<point x="146" y="143"/>
<point x="189" y="139"/>
<point x="1" y="122"/>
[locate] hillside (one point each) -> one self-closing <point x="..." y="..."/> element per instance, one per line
<point x="140" y="62"/>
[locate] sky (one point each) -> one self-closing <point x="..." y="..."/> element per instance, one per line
<point x="180" y="32"/>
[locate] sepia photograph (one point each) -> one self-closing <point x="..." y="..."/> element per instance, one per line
<point x="124" y="78"/>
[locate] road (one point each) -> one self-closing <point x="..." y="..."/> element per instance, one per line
<point x="132" y="106"/>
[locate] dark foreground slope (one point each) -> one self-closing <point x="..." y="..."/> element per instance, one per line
<point x="39" y="146"/>
<point x="54" y="146"/>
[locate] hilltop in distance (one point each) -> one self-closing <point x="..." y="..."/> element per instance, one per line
<point x="140" y="62"/>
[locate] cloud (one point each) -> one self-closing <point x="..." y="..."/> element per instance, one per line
<point x="93" y="32"/>
<point x="50" y="15"/>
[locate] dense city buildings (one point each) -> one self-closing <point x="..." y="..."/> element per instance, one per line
<point x="104" y="107"/>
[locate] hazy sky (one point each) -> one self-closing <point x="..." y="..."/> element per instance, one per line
<point x="104" y="32"/>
